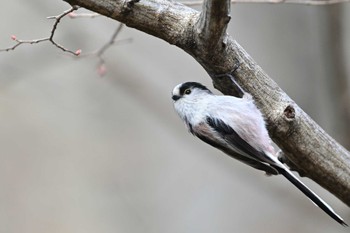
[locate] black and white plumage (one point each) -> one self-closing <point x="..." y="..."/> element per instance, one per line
<point x="236" y="127"/>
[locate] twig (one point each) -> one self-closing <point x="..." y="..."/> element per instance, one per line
<point x="111" y="41"/>
<point x="49" y="38"/>
<point x="306" y="2"/>
<point x="74" y="15"/>
<point x="101" y="69"/>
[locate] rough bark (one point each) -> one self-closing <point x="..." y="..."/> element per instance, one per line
<point x="308" y="148"/>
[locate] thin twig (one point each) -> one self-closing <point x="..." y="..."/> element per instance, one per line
<point x="98" y="53"/>
<point x="111" y="40"/>
<point x="49" y="38"/>
<point x="74" y="15"/>
<point x="101" y="68"/>
<point x="306" y="2"/>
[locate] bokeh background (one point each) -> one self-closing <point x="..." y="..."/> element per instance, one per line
<point x="84" y="153"/>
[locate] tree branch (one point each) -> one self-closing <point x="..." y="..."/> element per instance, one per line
<point x="314" y="152"/>
<point x="212" y="24"/>
<point x="50" y="38"/>
<point x="102" y="69"/>
<point x="306" y="2"/>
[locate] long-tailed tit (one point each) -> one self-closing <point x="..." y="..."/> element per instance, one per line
<point x="236" y="127"/>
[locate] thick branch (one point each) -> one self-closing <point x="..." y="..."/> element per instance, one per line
<point x="313" y="151"/>
<point x="306" y="2"/>
<point x="212" y="24"/>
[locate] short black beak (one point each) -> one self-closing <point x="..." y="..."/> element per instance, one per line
<point x="175" y="97"/>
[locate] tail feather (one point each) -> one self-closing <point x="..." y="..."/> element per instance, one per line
<point x="311" y="195"/>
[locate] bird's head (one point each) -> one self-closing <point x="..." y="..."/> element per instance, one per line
<point x="190" y="100"/>
<point x="189" y="91"/>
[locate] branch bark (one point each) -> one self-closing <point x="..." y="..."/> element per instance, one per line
<point x="306" y="2"/>
<point x="212" y="24"/>
<point x="309" y="148"/>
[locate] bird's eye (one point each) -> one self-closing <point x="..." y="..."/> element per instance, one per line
<point x="187" y="91"/>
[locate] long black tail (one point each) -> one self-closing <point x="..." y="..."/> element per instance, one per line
<point x="311" y="195"/>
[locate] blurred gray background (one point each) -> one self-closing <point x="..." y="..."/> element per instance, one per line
<point x="82" y="153"/>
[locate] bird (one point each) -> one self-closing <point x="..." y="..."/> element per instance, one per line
<point x="236" y="127"/>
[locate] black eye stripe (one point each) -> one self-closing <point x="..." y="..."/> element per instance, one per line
<point x="192" y="85"/>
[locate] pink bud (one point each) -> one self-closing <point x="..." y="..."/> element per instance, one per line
<point x="102" y="70"/>
<point x="72" y="15"/>
<point x="13" y="37"/>
<point x="78" y="52"/>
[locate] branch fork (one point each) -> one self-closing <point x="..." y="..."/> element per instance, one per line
<point x="212" y="24"/>
<point x="50" y="38"/>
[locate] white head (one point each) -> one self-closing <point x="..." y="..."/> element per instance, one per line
<point x="189" y="91"/>
<point x="189" y="100"/>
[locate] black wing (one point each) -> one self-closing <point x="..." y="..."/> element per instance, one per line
<point x="243" y="151"/>
<point x="232" y="137"/>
